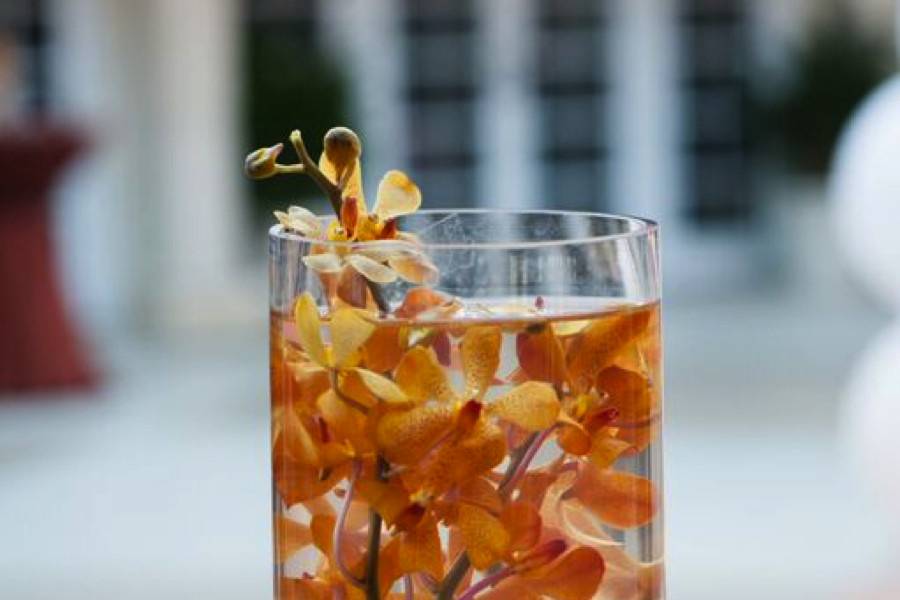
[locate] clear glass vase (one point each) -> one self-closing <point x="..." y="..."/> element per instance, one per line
<point x="494" y="434"/>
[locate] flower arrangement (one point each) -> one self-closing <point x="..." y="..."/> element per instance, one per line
<point x="405" y="448"/>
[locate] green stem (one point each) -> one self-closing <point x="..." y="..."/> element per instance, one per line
<point x="372" y="588"/>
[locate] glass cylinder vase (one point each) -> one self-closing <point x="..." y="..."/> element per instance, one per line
<point x="493" y="433"/>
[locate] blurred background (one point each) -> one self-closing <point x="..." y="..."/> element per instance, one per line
<point x="133" y="384"/>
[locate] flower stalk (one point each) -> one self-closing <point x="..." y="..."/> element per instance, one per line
<point x="338" y="536"/>
<point x="372" y="587"/>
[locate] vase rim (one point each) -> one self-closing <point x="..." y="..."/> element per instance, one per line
<point x="637" y="227"/>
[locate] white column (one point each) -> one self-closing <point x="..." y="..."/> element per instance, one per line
<point x="367" y="36"/>
<point x="506" y="123"/>
<point x="643" y="117"/>
<point x="95" y="64"/>
<point x="194" y="69"/>
<point x="151" y="228"/>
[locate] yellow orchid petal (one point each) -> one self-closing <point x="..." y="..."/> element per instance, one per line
<point x="352" y="288"/>
<point x="606" y="449"/>
<point x="541" y="354"/>
<point x="423" y="300"/>
<point x="484" y="536"/>
<point x="523" y="523"/>
<point x="303" y="589"/>
<point x="335" y="169"/>
<point x="597" y="347"/>
<point x="371" y="269"/>
<point x="388" y="499"/>
<point x="629" y="393"/>
<point x="415" y="268"/>
<point x="420" y="550"/>
<point x="383" y="350"/>
<point x="397" y="196"/>
<point x="382" y="387"/>
<point x="575" y="575"/>
<point x="573" y="437"/>
<point x="297" y="482"/>
<point x="352" y="387"/>
<point x="299" y="442"/>
<point x="421" y="377"/>
<point x="406" y="436"/>
<point x="308" y="326"/>
<point x="512" y="588"/>
<point x="482" y="449"/>
<point x="344" y="421"/>
<point x="617" y="498"/>
<point x="349" y="331"/>
<point x="569" y="328"/>
<point x="480" y="352"/>
<point x="291" y="535"/>
<point x="640" y="436"/>
<point x="389" y="569"/>
<point x="480" y="492"/>
<point x="322" y="527"/>
<point x="326" y="262"/>
<point x="532" y="406"/>
<point x="309" y="380"/>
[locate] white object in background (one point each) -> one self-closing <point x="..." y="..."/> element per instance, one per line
<point x="871" y="420"/>
<point x="864" y="190"/>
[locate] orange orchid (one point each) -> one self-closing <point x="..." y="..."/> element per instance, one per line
<point x="444" y="448"/>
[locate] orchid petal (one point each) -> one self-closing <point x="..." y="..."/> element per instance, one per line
<point x="598" y="345"/>
<point x="532" y="406"/>
<point x="480" y="352"/>
<point x="629" y="393"/>
<point x="371" y="269"/>
<point x="382" y="387"/>
<point x="421" y="377"/>
<point x="480" y="492"/>
<point x="297" y="482"/>
<point x="486" y="540"/>
<point x="349" y="331"/>
<point x="308" y="325"/>
<point x="406" y="436"/>
<point x="344" y="421"/>
<point x="419" y="300"/>
<point x="352" y="288"/>
<point x="420" y="550"/>
<point x="415" y="268"/>
<point x="606" y="449"/>
<point x="397" y="196"/>
<point x="388" y="499"/>
<point x="541" y="354"/>
<point x="291" y="535"/>
<point x="523" y="523"/>
<point x="619" y="499"/>
<point x="382" y="351"/>
<point x="575" y="575"/>
<point x="326" y="262"/>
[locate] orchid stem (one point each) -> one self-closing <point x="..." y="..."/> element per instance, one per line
<point x="378" y="296"/>
<point x="408" y="591"/>
<point x="372" y="587"/>
<point x="514" y="472"/>
<point x="488" y="582"/>
<point x="337" y="541"/>
<point x="531" y="451"/>
<point x="454" y="577"/>
<point x="332" y="191"/>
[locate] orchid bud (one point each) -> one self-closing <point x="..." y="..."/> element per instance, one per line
<point x="261" y="164"/>
<point x="342" y="147"/>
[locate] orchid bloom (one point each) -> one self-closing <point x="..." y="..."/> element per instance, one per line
<point x="396" y="256"/>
